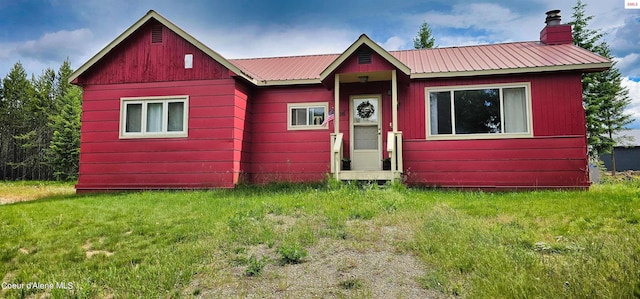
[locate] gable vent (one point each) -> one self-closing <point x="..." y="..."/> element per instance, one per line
<point x="364" y="57"/>
<point x="156" y="34"/>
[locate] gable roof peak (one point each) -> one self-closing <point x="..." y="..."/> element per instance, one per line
<point x="152" y="14"/>
<point x="364" y="40"/>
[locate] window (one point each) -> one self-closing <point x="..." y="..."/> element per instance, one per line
<point x="487" y="111"/>
<point x="306" y="116"/>
<point x="154" y="117"/>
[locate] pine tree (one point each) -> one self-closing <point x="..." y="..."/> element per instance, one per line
<point x="613" y="99"/>
<point x="35" y="141"/>
<point x="62" y="85"/>
<point x="64" y="150"/>
<point x="17" y="91"/>
<point x="424" y="39"/>
<point x="604" y="97"/>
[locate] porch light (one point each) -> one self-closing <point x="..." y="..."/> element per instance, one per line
<point x="363" y="79"/>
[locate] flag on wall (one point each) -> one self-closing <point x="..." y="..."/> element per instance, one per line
<point x="329" y="118"/>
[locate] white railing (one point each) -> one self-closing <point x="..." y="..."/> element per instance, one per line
<point x="336" y="154"/>
<point x="394" y="148"/>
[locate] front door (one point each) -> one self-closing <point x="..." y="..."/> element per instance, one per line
<point x="365" y="132"/>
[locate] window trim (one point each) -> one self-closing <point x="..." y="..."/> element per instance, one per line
<point x="308" y="105"/>
<point x="145" y="101"/>
<point x="501" y="86"/>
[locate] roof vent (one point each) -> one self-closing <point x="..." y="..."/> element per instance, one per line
<point x="364" y="57"/>
<point x="156" y="34"/>
<point x="553" y="18"/>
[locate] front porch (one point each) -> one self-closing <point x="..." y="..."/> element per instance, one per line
<point x="369" y="102"/>
<point x="394" y="148"/>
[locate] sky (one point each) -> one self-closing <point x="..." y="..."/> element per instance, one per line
<point x="41" y="34"/>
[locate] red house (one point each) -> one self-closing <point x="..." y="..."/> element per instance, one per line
<point x="163" y="111"/>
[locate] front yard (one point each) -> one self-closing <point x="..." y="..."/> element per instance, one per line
<point x="322" y="241"/>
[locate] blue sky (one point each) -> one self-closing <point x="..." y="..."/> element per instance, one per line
<point x="43" y="33"/>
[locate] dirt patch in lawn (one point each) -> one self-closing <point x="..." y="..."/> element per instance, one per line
<point x="16" y="192"/>
<point x="89" y="253"/>
<point x="363" y="266"/>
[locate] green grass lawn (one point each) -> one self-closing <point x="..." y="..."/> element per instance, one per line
<point x="546" y="244"/>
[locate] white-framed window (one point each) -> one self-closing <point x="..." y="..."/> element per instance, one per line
<point x="307" y="116"/>
<point x="479" y="111"/>
<point x="154" y="117"/>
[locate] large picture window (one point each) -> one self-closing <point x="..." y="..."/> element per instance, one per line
<point x="487" y="111"/>
<point x="306" y="116"/>
<point x="155" y="117"/>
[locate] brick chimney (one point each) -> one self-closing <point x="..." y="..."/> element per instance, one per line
<point x="555" y="33"/>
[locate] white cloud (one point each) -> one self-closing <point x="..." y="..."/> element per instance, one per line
<point x="629" y="65"/>
<point x="55" y="46"/>
<point x="634" y="93"/>
<point x="248" y="42"/>
<point x="50" y="50"/>
<point x="497" y="24"/>
<point x="394" y="43"/>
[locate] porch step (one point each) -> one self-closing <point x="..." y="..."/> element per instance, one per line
<point x="366" y="175"/>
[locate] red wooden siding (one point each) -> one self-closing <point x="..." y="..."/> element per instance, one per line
<point x="555" y="157"/>
<point x="279" y="154"/>
<point x="202" y="160"/>
<point x="503" y="163"/>
<point x="241" y="133"/>
<point x="137" y="60"/>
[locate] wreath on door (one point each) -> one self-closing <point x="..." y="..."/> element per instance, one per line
<point x="365" y="110"/>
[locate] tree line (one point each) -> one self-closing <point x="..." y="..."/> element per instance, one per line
<point x="39" y="125"/>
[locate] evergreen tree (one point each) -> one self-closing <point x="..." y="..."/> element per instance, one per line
<point x="424" y="39"/>
<point x="64" y="150"/>
<point x="17" y="91"/>
<point x="604" y="97"/>
<point x="613" y="99"/>
<point x="35" y="141"/>
<point x="62" y="85"/>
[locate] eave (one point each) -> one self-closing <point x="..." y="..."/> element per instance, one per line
<point x="592" y="67"/>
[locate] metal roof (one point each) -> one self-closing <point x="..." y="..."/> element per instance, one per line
<point x="627" y="138"/>
<point x="506" y="58"/>
<point x="285" y="68"/>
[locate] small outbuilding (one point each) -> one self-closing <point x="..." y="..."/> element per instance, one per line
<point x="626" y="151"/>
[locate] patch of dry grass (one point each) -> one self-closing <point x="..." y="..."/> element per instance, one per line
<point x="18" y="191"/>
